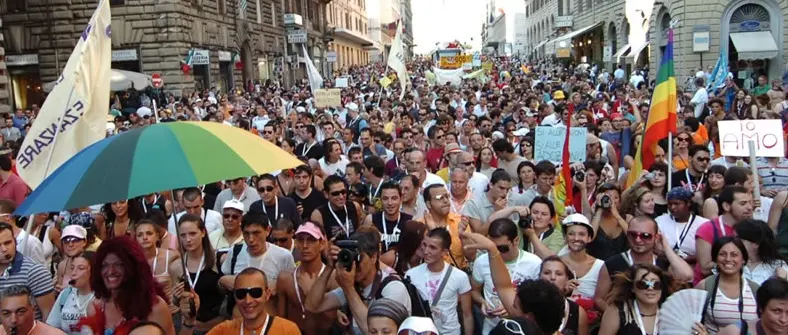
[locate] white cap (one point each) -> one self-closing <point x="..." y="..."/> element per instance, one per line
<point x="419" y="325"/>
<point x="74" y="230"/>
<point x="234" y="204"/>
<point x="352" y="106"/>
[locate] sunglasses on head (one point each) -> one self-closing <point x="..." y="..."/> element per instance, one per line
<point x="648" y="284"/>
<point x="643" y="236"/>
<point x="232" y="216"/>
<point x="263" y="189"/>
<point x="255" y="292"/>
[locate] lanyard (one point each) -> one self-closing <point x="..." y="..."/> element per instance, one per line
<point x="306" y="149"/>
<point x="722" y="226"/>
<point x="566" y="316"/>
<point x="689" y="181"/>
<point x="377" y="189"/>
<point x="193" y="284"/>
<point x="241" y="196"/>
<point x="346" y="227"/>
<point x="263" y="329"/>
<point x="276" y="210"/>
<point x="641" y="324"/>
<point x="631" y="261"/>
<point x="684" y="231"/>
<point x="298" y="290"/>
<point x="388" y="239"/>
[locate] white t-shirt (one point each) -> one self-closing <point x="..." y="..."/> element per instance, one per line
<point x="275" y="260"/>
<point x="74" y="307"/>
<point x="394" y="290"/>
<point x="336" y="168"/>
<point x="763" y="271"/>
<point x="445" y="311"/>
<point x="673" y="231"/>
<point x="33" y="248"/>
<point x="212" y="219"/>
<point x="525" y="267"/>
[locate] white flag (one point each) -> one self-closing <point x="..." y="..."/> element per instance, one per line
<point x="78" y="104"/>
<point x="315" y="79"/>
<point x="397" y="61"/>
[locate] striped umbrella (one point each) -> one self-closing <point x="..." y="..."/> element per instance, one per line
<point x="155" y="158"/>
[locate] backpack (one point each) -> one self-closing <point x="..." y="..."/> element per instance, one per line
<point x="418" y="306"/>
<point x="228" y="304"/>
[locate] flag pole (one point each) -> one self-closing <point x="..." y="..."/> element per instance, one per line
<point x="155" y="111"/>
<point x="670" y="160"/>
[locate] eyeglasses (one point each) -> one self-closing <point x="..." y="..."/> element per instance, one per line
<point x="469" y="163"/>
<point x="633" y="235"/>
<point x="648" y="284"/>
<point x="513" y="326"/>
<point x="338" y="193"/>
<point x="703" y="159"/>
<point x="268" y="132"/>
<point x="502" y="248"/>
<point x="232" y="216"/>
<point x="683" y="139"/>
<point x="255" y="292"/>
<point x="122" y="202"/>
<point x="263" y="189"/>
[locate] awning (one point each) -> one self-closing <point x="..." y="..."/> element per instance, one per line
<point x="352" y="37"/>
<point x="621" y="52"/>
<point x="571" y="35"/>
<point x="540" y="44"/>
<point x="754" y="45"/>
<point x="636" y="51"/>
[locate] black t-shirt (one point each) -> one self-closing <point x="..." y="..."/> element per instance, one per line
<point x="314" y="200"/>
<point x="314" y="151"/>
<point x="679" y="179"/>
<point x="392" y="231"/>
<point x="286" y="208"/>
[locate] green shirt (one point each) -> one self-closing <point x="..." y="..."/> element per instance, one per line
<point x="555" y="241"/>
<point x="759" y="90"/>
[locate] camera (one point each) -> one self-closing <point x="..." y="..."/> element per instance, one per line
<point x="348" y="254"/>
<point x="579" y="175"/>
<point x="525" y="221"/>
<point x="605" y="202"/>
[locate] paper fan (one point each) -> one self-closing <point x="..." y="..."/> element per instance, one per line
<point x="680" y="312"/>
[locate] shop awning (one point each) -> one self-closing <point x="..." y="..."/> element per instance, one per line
<point x="571" y="35"/>
<point x="540" y="44"/>
<point x="754" y="45"/>
<point x="621" y="52"/>
<point x="636" y="51"/>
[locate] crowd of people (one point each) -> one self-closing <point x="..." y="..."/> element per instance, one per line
<point x="428" y="215"/>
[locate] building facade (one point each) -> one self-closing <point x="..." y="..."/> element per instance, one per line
<point x="348" y="19"/>
<point x="540" y="25"/>
<point x="149" y="36"/>
<point x="5" y="95"/>
<point x="407" y="27"/>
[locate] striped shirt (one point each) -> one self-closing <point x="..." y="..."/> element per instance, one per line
<point x="726" y="310"/>
<point x="26" y="272"/>
<point x="774" y="178"/>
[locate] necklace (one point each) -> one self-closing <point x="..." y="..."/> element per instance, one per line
<point x="298" y="289"/>
<point x="641" y="324"/>
<point x="82" y="306"/>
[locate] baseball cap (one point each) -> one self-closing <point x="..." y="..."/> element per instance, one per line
<point x="300" y="109"/>
<point x="311" y="229"/>
<point x="616" y="116"/>
<point x="451" y="148"/>
<point x="418" y="324"/>
<point x="352" y="106"/>
<point x="591" y="139"/>
<point x="74" y="231"/>
<point x="234" y="204"/>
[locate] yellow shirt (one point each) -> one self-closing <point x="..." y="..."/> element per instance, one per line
<point x="455" y="256"/>
<point x="444" y="174"/>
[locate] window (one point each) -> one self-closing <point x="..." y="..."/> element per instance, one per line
<point x="15" y="6"/>
<point x="221" y="6"/>
<point x="113" y="2"/>
<point x="260" y="11"/>
<point x="273" y="14"/>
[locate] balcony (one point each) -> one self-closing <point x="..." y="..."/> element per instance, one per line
<point x="352" y="36"/>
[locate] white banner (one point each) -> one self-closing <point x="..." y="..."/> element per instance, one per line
<point x="76" y="110"/>
<point x="315" y="79"/>
<point x="397" y="61"/>
<point x="767" y="134"/>
<point x="454" y="77"/>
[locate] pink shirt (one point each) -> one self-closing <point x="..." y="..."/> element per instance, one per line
<point x="14" y="189"/>
<point x="706" y="232"/>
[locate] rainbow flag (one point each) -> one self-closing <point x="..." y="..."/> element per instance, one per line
<point x="563" y="187"/>
<point x="661" y="116"/>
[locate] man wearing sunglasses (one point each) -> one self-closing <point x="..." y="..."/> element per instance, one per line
<point x="271" y="204"/>
<point x="646" y="246"/>
<point x="339" y="217"/>
<point x="693" y="176"/>
<point x="251" y="293"/>
<point x="520" y="264"/>
<point x="237" y="189"/>
<point x="222" y="240"/>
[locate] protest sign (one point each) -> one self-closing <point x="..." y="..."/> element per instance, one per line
<point x="341" y="82"/>
<point x="328" y="97"/>
<point x="767" y="135"/>
<point x="385" y="82"/>
<point x="550" y="144"/>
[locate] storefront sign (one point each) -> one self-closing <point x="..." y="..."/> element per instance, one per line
<point x="296" y="36"/>
<point x="201" y="57"/>
<point x="607" y="54"/>
<point x="225" y="56"/>
<point x="331" y="56"/>
<point x="124" y="55"/>
<point x="21" y="60"/>
<point x="328" y="97"/>
<point x="564" y="21"/>
<point x="293" y="20"/>
<point x="563" y="52"/>
<point x="550" y="141"/>
<point x="736" y="135"/>
<point x="700" y="38"/>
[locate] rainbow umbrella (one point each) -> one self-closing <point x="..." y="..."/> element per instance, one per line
<point x="155" y="158"/>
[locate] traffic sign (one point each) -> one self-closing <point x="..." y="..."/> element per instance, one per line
<point x="296" y="36"/>
<point x="156" y="80"/>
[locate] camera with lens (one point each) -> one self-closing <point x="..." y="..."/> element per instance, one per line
<point x="605" y="202"/>
<point x="580" y="175"/>
<point x="348" y="253"/>
<point x="525" y="221"/>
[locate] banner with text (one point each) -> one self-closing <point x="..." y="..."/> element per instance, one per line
<point x="328" y="97"/>
<point x="550" y="144"/>
<point x="455" y="62"/>
<point x="767" y="134"/>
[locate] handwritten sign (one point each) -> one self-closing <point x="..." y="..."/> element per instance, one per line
<point x="767" y="135"/>
<point x="328" y="97"/>
<point x="550" y="144"/>
<point x="341" y="82"/>
<point x="385" y="82"/>
<point x="455" y="62"/>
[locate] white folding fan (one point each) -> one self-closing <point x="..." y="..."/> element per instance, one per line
<point x="680" y="312"/>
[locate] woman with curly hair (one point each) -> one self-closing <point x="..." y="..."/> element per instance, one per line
<point x="636" y="201"/>
<point x="120" y="218"/>
<point x="125" y="290"/>
<point x="633" y="304"/>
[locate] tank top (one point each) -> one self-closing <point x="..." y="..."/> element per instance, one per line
<point x="587" y="283"/>
<point x="627" y="328"/>
<point x="725" y="311"/>
<point x="389" y="234"/>
<point x="602" y="247"/>
<point x="164" y="279"/>
<point x="342" y="223"/>
<point x="210" y="298"/>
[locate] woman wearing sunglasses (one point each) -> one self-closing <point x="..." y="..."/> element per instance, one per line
<point x="125" y="290"/>
<point x="74" y="242"/>
<point x="120" y="218"/>
<point x="635" y="300"/>
<point x="731" y="296"/>
<point x="555" y="271"/>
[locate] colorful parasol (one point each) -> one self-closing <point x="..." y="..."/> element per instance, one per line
<point x="155" y="158"/>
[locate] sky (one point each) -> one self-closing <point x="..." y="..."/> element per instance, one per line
<point x="446" y="20"/>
